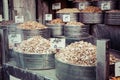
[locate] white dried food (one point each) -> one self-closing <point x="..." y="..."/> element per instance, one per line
<point x="36" y="44"/>
<point x="69" y="10"/>
<point x="81" y="53"/>
<point x="73" y="23"/>
<point x="113" y="59"/>
<point x="31" y="25"/>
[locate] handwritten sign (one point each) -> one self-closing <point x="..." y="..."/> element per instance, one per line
<point x="66" y="18"/>
<point x="105" y="6"/>
<point x="56" y="6"/>
<point x="57" y="43"/>
<point x="19" y="19"/>
<point x="48" y="17"/>
<point x="0" y="17"/>
<point x="117" y="69"/>
<point x="14" y="38"/>
<point x="13" y="78"/>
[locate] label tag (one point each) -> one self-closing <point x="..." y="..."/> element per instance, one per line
<point x="82" y="6"/>
<point x="14" y="78"/>
<point x="0" y="17"/>
<point x="14" y="38"/>
<point x="48" y="17"/>
<point x="56" y="6"/>
<point x="117" y="69"/>
<point x="57" y="43"/>
<point x="19" y="19"/>
<point x="66" y="18"/>
<point x="105" y="6"/>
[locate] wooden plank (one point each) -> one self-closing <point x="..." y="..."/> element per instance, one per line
<point x="25" y="8"/>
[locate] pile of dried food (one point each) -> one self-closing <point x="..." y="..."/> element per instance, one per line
<point x="56" y="21"/>
<point x="34" y="45"/>
<point x="73" y="23"/>
<point x="69" y="10"/>
<point x="81" y="53"/>
<point x="92" y="9"/>
<point x="31" y="25"/>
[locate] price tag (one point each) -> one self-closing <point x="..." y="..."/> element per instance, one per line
<point x="105" y="6"/>
<point x="57" y="43"/>
<point x="48" y="17"/>
<point x="117" y="69"/>
<point x="14" y="38"/>
<point x="13" y="78"/>
<point x="56" y="6"/>
<point x="66" y="18"/>
<point x="0" y="17"/>
<point x="81" y="5"/>
<point x="19" y="19"/>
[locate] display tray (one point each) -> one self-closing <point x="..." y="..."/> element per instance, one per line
<point x="35" y="61"/>
<point x="91" y="18"/>
<point x="112" y="18"/>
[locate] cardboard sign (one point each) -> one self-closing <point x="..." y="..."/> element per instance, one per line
<point x="66" y="18"/>
<point x="82" y="5"/>
<point x="48" y="17"/>
<point x="105" y="6"/>
<point x="19" y="19"/>
<point x="117" y="69"/>
<point x="56" y="6"/>
<point x="0" y="17"/>
<point x="14" y="38"/>
<point x="57" y="43"/>
<point x="14" y="78"/>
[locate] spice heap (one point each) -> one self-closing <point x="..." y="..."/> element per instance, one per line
<point x="81" y="53"/>
<point x="31" y="25"/>
<point x="34" y="45"/>
<point x="69" y="10"/>
<point x="56" y="21"/>
<point x="73" y="23"/>
<point x="92" y="9"/>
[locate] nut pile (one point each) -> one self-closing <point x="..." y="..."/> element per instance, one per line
<point x="56" y="21"/>
<point x="69" y="10"/>
<point x="113" y="59"/>
<point x="73" y="23"/>
<point x="113" y="11"/>
<point x="31" y="25"/>
<point x="92" y="9"/>
<point x="36" y="45"/>
<point x="81" y="53"/>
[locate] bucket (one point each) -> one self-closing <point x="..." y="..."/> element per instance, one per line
<point x="75" y="31"/>
<point x="35" y="61"/>
<point x="66" y="71"/>
<point x="73" y="16"/>
<point x="56" y="29"/>
<point x="112" y="18"/>
<point x="91" y="18"/>
<point x="26" y="34"/>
